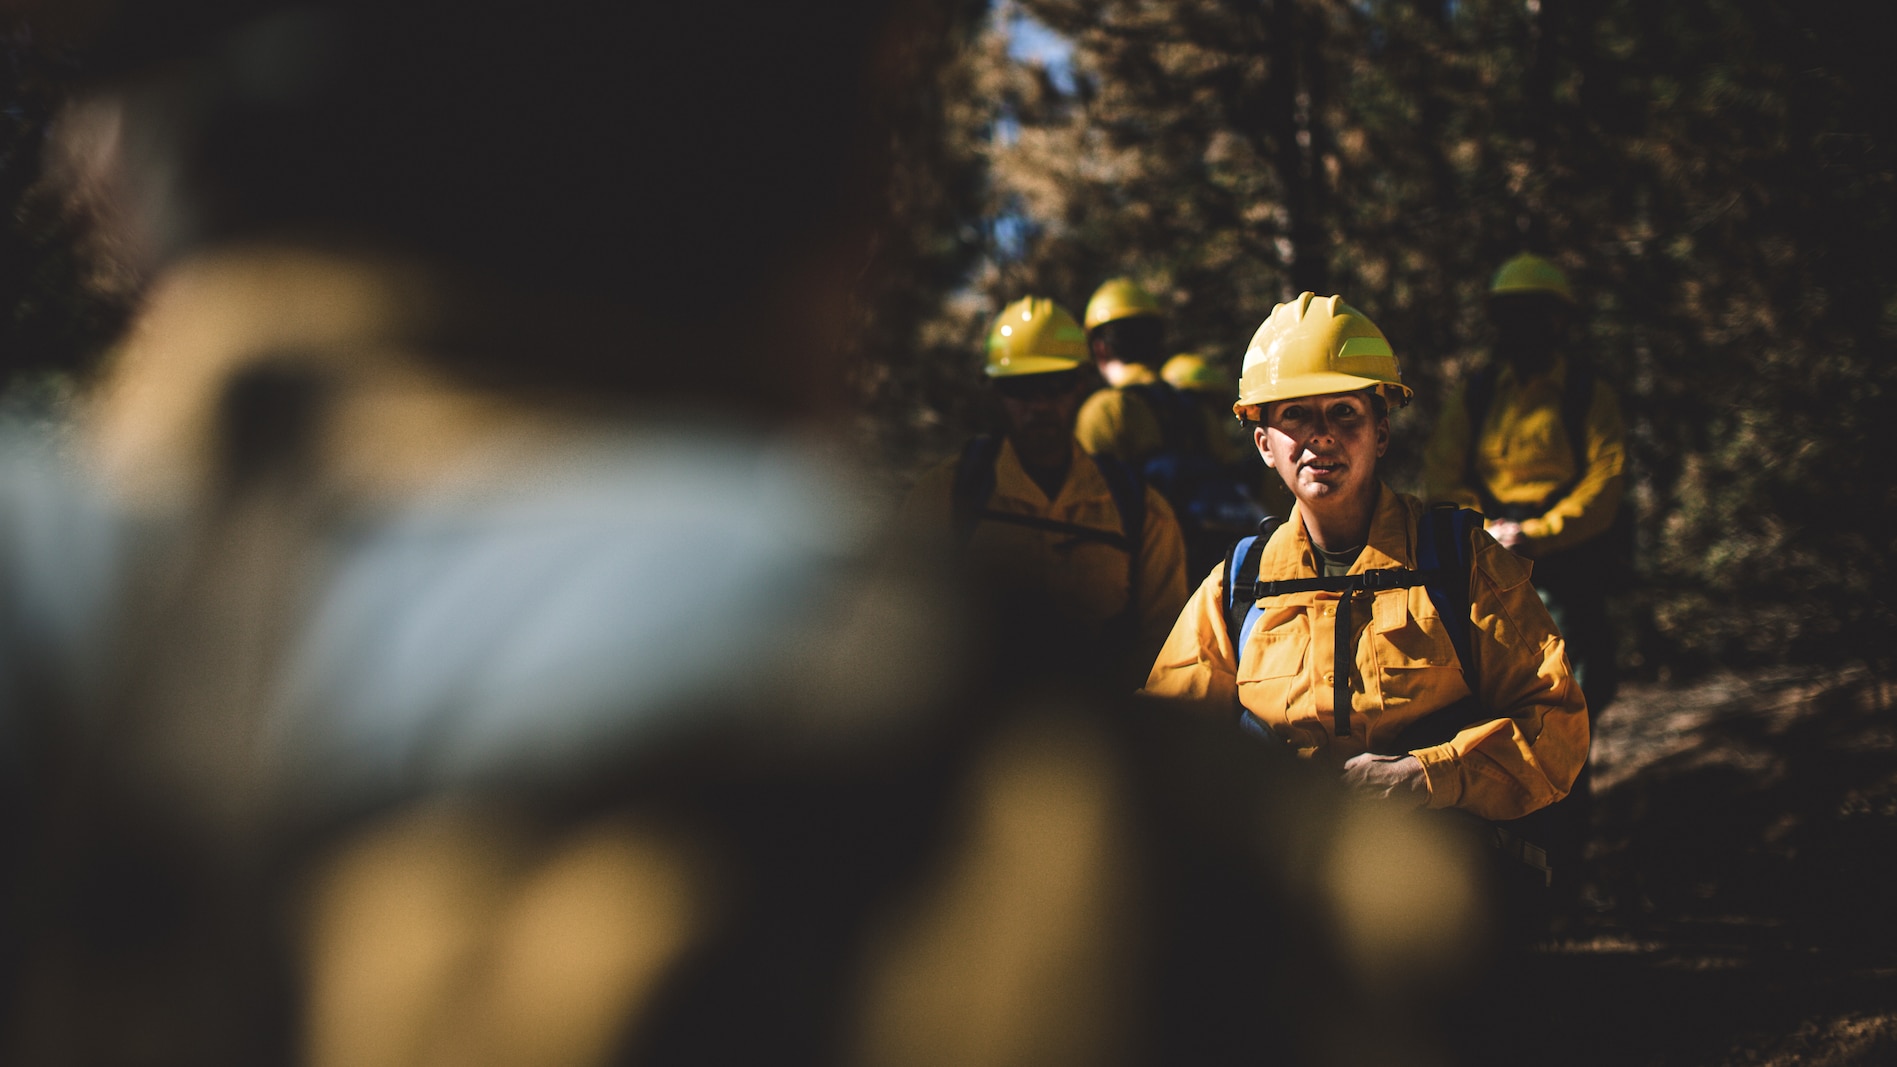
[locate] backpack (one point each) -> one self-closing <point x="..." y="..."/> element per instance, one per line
<point x="1445" y="559"/>
<point x="1210" y="502"/>
<point x="975" y="483"/>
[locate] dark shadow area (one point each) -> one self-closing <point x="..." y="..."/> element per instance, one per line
<point x="1738" y="906"/>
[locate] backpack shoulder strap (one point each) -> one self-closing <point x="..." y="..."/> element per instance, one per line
<point x="1239" y="595"/>
<point x="1239" y="599"/>
<point x="974" y="484"/>
<point x="1444" y="553"/>
<point x="1129" y="497"/>
<point x="1165" y="403"/>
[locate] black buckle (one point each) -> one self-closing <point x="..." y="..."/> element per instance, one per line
<point x="1384" y="578"/>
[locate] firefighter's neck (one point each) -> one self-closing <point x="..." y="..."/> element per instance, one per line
<point x="1529" y="361"/>
<point x="1049" y="474"/>
<point x="1341" y="523"/>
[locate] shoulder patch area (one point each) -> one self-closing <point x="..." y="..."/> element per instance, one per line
<point x="1500" y="567"/>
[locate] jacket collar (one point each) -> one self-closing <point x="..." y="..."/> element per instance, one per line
<point x="1012" y="482"/>
<point x="1289" y="553"/>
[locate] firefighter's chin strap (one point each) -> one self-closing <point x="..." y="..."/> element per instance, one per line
<point x="1348" y="585"/>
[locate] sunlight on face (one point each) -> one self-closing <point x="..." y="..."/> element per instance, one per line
<point x="1325" y="447"/>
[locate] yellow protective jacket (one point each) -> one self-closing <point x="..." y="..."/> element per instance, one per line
<point x="1119" y="423"/>
<point x="1085" y="581"/>
<point x="1405" y="668"/>
<point x="1523" y="454"/>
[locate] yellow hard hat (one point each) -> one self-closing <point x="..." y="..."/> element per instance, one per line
<point x="1192" y="373"/>
<point x="1529" y="273"/>
<point x="1314" y="345"/>
<point x="1119" y="298"/>
<point x="1034" y="335"/>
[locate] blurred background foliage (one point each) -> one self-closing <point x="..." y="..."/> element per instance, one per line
<point x="1716" y="176"/>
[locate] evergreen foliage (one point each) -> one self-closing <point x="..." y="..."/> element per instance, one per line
<point x="1716" y="176"/>
<point x="61" y="302"/>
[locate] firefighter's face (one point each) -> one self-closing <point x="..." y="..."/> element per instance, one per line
<point x="1041" y="409"/>
<point x="1324" y="447"/>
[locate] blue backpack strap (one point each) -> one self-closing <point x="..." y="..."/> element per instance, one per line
<point x="974" y="484"/>
<point x="1240" y="601"/>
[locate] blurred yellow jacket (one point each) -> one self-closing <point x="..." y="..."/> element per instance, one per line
<point x="1405" y="668"/>
<point x="1118" y="422"/>
<point x="1082" y="580"/>
<point x="1523" y="454"/>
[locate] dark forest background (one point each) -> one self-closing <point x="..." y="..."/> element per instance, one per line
<point x="1716" y="176"/>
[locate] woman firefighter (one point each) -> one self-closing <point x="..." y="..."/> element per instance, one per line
<point x="1398" y="643"/>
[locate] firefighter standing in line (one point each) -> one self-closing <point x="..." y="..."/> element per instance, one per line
<point x="1193" y="377"/>
<point x="1545" y="462"/>
<point x="1208" y="386"/>
<point x="1125" y="332"/>
<point x="1047" y="524"/>
<point x="1317" y="381"/>
<point x="1161" y="431"/>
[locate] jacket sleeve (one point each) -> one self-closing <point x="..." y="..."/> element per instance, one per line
<point x="1196" y="662"/>
<point x="1589" y="510"/>
<point x="1446" y="458"/>
<point x="1527" y="757"/>
<point x="1113" y="422"/>
<point x="1162" y="590"/>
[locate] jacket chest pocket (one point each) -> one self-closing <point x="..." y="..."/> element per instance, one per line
<point x="1535" y="444"/>
<point x="1272" y="669"/>
<point x="1416" y="660"/>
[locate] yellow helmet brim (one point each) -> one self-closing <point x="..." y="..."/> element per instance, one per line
<point x="1018" y="366"/>
<point x="1257" y="391"/>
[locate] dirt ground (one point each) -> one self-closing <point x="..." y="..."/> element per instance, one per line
<point x="1740" y="902"/>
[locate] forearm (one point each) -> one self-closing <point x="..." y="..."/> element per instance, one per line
<point x="1578" y="517"/>
<point x="1495" y="771"/>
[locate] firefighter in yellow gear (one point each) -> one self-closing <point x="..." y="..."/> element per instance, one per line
<point x="1509" y="723"/>
<point x="1192" y="375"/>
<point x="1125" y="332"/>
<point x="1058" y="533"/>
<point x="1535" y="442"/>
<point x="1209" y="386"/>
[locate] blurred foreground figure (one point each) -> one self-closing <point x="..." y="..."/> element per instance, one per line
<point x="1049" y="527"/>
<point x="1534" y="441"/>
<point x="451" y="641"/>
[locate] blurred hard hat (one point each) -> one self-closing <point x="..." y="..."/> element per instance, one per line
<point x="1529" y="273"/>
<point x="1034" y="335"/>
<point x="1192" y="373"/>
<point x="1313" y="345"/>
<point x="1119" y="298"/>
